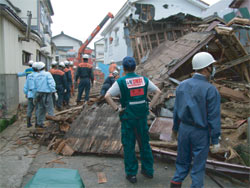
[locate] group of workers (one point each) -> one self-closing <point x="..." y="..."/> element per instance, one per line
<point x="38" y="88"/>
<point x="196" y="120"/>
<point x="196" y="111"/>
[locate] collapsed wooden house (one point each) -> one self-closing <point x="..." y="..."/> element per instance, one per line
<point x="97" y="128"/>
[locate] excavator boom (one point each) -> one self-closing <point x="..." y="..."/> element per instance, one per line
<point x="93" y="34"/>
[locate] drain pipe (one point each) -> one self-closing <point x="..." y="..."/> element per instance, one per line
<point x="27" y="35"/>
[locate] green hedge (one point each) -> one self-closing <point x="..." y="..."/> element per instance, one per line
<point x="6" y="122"/>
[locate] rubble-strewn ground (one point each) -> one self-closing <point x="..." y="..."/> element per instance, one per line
<point x="21" y="157"/>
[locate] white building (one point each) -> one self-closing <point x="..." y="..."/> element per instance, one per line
<point x="99" y="50"/>
<point x="64" y="43"/>
<point x="17" y="48"/>
<point x="116" y="36"/>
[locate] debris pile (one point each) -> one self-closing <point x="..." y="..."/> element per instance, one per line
<point x="96" y="128"/>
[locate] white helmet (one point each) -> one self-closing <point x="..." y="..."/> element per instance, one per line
<point x="112" y="61"/>
<point x="30" y="62"/>
<point x="40" y="65"/>
<point x="34" y="65"/>
<point x="53" y="63"/>
<point x="66" y="63"/>
<point x="115" y="73"/>
<point x="85" y="56"/>
<point x="202" y="60"/>
<point x="61" y="64"/>
<point x="71" y="63"/>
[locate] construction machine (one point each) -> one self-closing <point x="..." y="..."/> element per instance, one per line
<point x="77" y="58"/>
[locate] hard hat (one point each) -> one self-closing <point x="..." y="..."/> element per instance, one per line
<point x="129" y="63"/>
<point x="54" y="63"/>
<point x="30" y="62"/>
<point x="66" y="63"/>
<point x="34" y="65"/>
<point x="40" y="65"/>
<point x="61" y="64"/>
<point x="85" y="56"/>
<point x="71" y="63"/>
<point x="112" y="61"/>
<point x="115" y="73"/>
<point x="202" y="60"/>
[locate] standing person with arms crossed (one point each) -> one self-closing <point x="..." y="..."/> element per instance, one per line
<point x="197" y="121"/>
<point x="133" y="90"/>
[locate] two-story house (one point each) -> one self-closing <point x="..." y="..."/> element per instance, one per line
<point x="65" y="45"/>
<point x="24" y="36"/>
<point x="141" y="25"/>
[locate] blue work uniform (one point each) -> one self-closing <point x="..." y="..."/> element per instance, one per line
<point x="134" y="125"/>
<point x="68" y="86"/>
<point x="107" y="84"/>
<point x="30" y="90"/>
<point x="26" y="72"/>
<point x="45" y="86"/>
<point x="197" y="120"/>
<point x="61" y="84"/>
<point x="85" y="73"/>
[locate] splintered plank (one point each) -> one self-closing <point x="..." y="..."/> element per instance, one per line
<point x="101" y="177"/>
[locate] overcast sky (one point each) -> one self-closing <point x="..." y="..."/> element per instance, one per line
<point x="78" y="18"/>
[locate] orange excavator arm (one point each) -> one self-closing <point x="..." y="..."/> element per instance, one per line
<point x="93" y="34"/>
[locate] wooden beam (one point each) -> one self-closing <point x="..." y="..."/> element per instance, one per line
<point x="233" y="63"/>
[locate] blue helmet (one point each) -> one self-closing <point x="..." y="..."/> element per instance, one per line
<point x="128" y="63"/>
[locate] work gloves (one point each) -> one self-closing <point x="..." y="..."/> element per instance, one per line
<point x="174" y="136"/>
<point x="120" y="110"/>
<point x="56" y="96"/>
<point x="215" y="148"/>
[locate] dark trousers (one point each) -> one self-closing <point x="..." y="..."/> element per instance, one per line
<point x="83" y="85"/>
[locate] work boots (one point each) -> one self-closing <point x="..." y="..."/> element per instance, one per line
<point x="131" y="178"/>
<point x="29" y="122"/>
<point x="175" y="184"/>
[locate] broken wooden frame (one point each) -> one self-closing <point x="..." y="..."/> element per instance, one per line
<point x="243" y="171"/>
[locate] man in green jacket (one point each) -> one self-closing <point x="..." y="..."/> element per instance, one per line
<point x="133" y="90"/>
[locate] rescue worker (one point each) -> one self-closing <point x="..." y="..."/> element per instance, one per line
<point x="71" y="65"/>
<point x="52" y="70"/>
<point x="108" y="83"/>
<point x="61" y="84"/>
<point x="197" y="121"/>
<point x="85" y="73"/>
<point x="45" y="86"/>
<point x="27" y="71"/>
<point x="69" y="83"/>
<point x="30" y="90"/>
<point x="133" y="90"/>
<point x="113" y="67"/>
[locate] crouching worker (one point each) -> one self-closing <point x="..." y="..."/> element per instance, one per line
<point x="108" y="83"/>
<point x="133" y="90"/>
<point x="29" y="90"/>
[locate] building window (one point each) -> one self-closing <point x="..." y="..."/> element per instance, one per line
<point x="146" y="12"/>
<point x="57" y="58"/>
<point x="26" y="57"/>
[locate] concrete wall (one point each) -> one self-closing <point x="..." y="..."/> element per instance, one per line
<point x="12" y="54"/>
<point x="8" y="95"/>
<point x="27" y="5"/>
<point x="1" y="47"/>
<point x="65" y="41"/>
